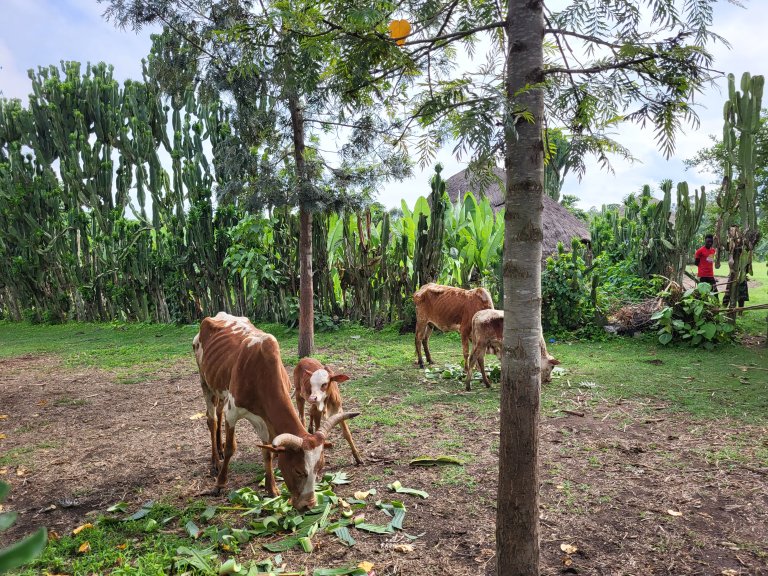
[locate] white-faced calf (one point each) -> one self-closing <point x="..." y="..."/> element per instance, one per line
<point x="488" y="336"/>
<point x="242" y="375"/>
<point x="319" y="386"/>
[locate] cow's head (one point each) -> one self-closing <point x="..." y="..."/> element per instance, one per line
<point x="319" y="380"/>
<point x="301" y="460"/>
<point x="547" y="364"/>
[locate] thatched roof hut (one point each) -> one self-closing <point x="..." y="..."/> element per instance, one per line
<point x="559" y="224"/>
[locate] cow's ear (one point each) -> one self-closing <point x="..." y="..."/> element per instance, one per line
<point x="340" y="377"/>
<point x="554" y="361"/>
<point x="308" y="372"/>
<point x="273" y="449"/>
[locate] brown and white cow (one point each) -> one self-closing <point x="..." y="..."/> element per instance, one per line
<point x="319" y="386"/>
<point x="447" y="308"/>
<point x="488" y="336"/>
<point x="242" y="375"/>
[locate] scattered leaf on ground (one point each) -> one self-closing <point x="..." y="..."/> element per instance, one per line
<point x="79" y="529"/>
<point x="85" y="547"/>
<point x="674" y="512"/>
<point x="435" y="461"/>
<point x="397" y="487"/>
<point x="197" y="416"/>
<point x="404" y="548"/>
<point x="568" y="548"/>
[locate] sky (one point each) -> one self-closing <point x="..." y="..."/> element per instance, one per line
<point x="43" y="32"/>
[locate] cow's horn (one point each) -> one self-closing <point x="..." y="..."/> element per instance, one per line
<point x="325" y="428"/>
<point x="290" y="441"/>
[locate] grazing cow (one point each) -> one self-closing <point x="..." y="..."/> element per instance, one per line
<point x="447" y="308"/>
<point x="242" y="375"/>
<point x="488" y="335"/>
<point x="319" y="386"/>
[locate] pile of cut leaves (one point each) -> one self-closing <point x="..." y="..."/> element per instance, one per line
<point x="280" y="527"/>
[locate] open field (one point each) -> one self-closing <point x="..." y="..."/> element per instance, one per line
<point x="653" y="460"/>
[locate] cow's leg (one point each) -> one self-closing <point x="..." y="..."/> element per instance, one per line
<point x="465" y="348"/>
<point x="348" y="437"/>
<point x="219" y="440"/>
<point x="481" y="364"/>
<point x="314" y="419"/>
<point x="470" y="366"/>
<point x="427" y="334"/>
<point x="421" y="327"/>
<point x="229" y="449"/>
<point x="269" y="473"/>
<point x="300" y="406"/>
<point x="213" y="418"/>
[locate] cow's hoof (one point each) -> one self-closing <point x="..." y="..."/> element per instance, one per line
<point x="215" y="491"/>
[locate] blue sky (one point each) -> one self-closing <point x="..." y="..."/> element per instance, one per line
<point x="42" y="32"/>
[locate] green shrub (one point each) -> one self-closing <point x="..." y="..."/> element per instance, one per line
<point x="695" y="318"/>
<point x="565" y="291"/>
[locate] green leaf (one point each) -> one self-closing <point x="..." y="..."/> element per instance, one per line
<point x="375" y="528"/>
<point x="192" y="529"/>
<point x="354" y="571"/>
<point x="4" y="489"/>
<point x="145" y="509"/>
<point x="397" y="487"/>
<point x="343" y="534"/>
<point x="200" y="559"/>
<point x="119" y="507"/>
<point x="208" y="513"/>
<point x="709" y="330"/>
<point x="7" y="519"/>
<point x="24" y="551"/>
<point x="434" y="461"/>
<point x="306" y="544"/>
<point x="665" y="338"/>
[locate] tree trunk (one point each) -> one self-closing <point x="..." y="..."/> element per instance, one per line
<point x="306" y="304"/>
<point x="517" y="518"/>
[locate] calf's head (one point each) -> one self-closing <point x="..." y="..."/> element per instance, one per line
<point x="301" y="460"/>
<point x="319" y="380"/>
<point x="547" y="364"/>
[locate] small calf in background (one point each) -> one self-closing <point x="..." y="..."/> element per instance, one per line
<point x="487" y="336"/>
<point x="317" y="385"/>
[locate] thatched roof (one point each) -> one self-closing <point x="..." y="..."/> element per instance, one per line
<point x="559" y="224"/>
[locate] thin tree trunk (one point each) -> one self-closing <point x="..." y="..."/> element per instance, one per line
<point x="306" y="304"/>
<point x="517" y="518"/>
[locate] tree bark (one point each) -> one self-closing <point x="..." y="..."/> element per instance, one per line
<point x="517" y="518"/>
<point x="306" y="296"/>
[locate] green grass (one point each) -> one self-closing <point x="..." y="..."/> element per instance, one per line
<point x="390" y="390"/>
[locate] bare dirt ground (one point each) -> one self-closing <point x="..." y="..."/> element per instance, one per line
<point x="633" y="489"/>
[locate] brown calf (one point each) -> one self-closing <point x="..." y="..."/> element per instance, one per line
<point x="447" y="308"/>
<point x="242" y="375"/>
<point x="488" y="335"/>
<point x="319" y="386"/>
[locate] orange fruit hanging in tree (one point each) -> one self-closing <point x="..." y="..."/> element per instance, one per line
<point x="399" y="29"/>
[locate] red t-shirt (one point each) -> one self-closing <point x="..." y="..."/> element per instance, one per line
<point x="706" y="257"/>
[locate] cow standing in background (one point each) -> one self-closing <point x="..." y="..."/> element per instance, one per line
<point x="488" y="336"/>
<point x="242" y="376"/>
<point x="447" y="308"/>
<point x="318" y="385"/>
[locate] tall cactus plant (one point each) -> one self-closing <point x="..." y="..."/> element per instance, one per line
<point x="737" y="197"/>
<point x="428" y="254"/>
<point x="687" y="220"/>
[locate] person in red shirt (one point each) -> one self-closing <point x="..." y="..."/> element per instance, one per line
<point x="704" y="259"/>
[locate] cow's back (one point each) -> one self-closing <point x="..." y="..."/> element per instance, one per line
<point x="450" y="308"/>
<point x="233" y="354"/>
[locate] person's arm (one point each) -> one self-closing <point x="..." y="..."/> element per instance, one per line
<point x="696" y="257"/>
